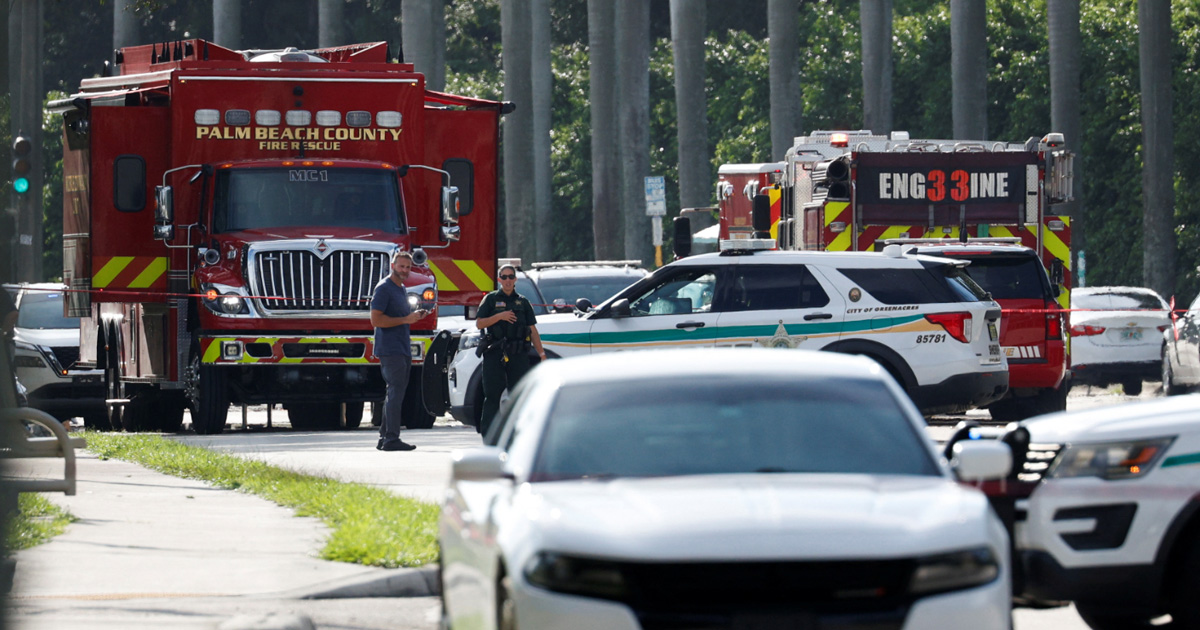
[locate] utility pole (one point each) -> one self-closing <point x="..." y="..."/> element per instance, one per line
<point x="25" y="90"/>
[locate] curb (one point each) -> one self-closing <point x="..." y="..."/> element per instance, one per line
<point x="419" y="582"/>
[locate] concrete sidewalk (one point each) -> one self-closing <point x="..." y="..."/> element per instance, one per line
<point x="145" y="535"/>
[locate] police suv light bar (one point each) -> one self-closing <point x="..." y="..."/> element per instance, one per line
<point x="747" y="244"/>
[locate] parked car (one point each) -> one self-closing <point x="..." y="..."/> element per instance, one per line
<point x="1181" y="351"/>
<point x="1031" y="327"/>
<point x="689" y="488"/>
<point x="1116" y="336"/>
<point x="557" y="286"/>
<point x="46" y="349"/>
<point x="1113" y="520"/>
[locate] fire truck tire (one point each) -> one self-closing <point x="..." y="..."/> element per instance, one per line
<point x="1007" y="410"/>
<point x="415" y="416"/>
<point x="169" y="411"/>
<point x="208" y="397"/>
<point x="113" y="387"/>
<point x="140" y="413"/>
<point x="97" y="421"/>
<point x="354" y="415"/>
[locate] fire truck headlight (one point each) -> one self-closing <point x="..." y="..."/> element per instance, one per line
<point x="233" y="304"/>
<point x="414" y="302"/>
<point x="224" y="300"/>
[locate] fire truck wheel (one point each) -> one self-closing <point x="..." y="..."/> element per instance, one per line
<point x="113" y="388"/>
<point x="169" y="411"/>
<point x="97" y="421"/>
<point x="139" y="414"/>
<point x="354" y="415"/>
<point x="207" y="397"/>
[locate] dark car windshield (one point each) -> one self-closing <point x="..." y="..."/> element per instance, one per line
<point x="596" y="288"/>
<point x="43" y="310"/>
<point x="1009" y="277"/>
<point x="708" y="426"/>
<point x="262" y="198"/>
<point x="935" y="283"/>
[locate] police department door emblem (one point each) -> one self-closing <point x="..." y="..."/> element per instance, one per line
<point x="781" y="339"/>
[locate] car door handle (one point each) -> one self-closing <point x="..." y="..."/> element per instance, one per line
<point x="812" y="316"/>
<point x="690" y="325"/>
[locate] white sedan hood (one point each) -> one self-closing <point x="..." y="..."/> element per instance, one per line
<point x="768" y="516"/>
<point x="49" y="337"/>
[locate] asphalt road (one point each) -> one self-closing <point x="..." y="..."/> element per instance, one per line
<point x="350" y="455"/>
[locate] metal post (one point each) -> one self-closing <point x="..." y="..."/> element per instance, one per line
<point x="25" y="86"/>
<point x="244" y="412"/>
<point x="269" y="408"/>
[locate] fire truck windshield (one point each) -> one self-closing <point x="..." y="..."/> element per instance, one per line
<point x="261" y="198"/>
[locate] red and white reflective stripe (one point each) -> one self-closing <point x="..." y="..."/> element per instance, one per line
<point x="1023" y="352"/>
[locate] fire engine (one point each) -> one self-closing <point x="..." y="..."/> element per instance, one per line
<point x="227" y="215"/>
<point x="858" y="191"/>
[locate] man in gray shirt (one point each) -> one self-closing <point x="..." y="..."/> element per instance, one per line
<point x="391" y="317"/>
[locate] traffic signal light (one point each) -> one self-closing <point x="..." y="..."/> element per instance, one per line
<point x="22" y="163"/>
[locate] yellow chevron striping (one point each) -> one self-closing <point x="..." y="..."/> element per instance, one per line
<point x="110" y="270"/>
<point x="483" y="281"/>
<point x="443" y="282"/>
<point x="834" y="210"/>
<point x="152" y="272"/>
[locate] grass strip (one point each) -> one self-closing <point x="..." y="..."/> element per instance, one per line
<point x="36" y="521"/>
<point x="369" y="526"/>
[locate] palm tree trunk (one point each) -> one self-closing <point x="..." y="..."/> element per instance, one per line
<point x="876" y="20"/>
<point x="633" y="122"/>
<point x="688" y="24"/>
<point x="227" y="23"/>
<point x="784" y="48"/>
<point x="1158" y="166"/>
<point x="516" y="34"/>
<point x="416" y="36"/>
<point x="126" y="25"/>
<point x="542" y="85"/>
<point x="968" y="68"/>
<point x="1063" y="27"/>
<point x="330" y="23"/>
<point x="606" y="184"/>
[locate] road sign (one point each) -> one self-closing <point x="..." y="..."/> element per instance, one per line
<point x="656" y="196"/>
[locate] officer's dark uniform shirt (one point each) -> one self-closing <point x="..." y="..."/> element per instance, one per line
<point x="498" y="302"/>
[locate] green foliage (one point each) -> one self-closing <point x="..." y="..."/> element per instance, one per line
<point x="35" y="521"/>
<point x="369" y="526"/>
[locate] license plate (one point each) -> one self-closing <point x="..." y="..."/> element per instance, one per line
<point x="1131" y="335"/>
<point x="86" y="380"/>
<point x="992" y="334"/>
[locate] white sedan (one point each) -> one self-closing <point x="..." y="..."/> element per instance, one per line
<point x="720" y="488"/>
<point x="1117" y="335"/>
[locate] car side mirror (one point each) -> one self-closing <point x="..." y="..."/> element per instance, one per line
<point x="620" y="308"/>
<point x="981" y="460"/>
<point x="583" y="305"/>
<point x="485" y="463"/>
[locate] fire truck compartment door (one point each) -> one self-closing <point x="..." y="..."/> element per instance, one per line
<point x="128" y="265"/>
<point x="435" y="390"/>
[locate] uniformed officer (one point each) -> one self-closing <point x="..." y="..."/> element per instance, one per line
<point x="509" y="326"/>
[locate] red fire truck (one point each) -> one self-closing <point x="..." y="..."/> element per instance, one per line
<point x="228" y="213"/>
<point x="989" y="202"/>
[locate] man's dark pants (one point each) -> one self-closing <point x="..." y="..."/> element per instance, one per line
<point x="395" y="374"/>
<point x="499" y="374"/>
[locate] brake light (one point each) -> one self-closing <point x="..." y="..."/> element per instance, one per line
<point x="1083" y="330"/>
<point x="1054" y="322"/>
<point x="957" y="325"/>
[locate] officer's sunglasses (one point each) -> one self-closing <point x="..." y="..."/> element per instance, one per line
<point x="508" y="276"/>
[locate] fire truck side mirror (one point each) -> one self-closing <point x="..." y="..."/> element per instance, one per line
<point x="761" y="216"/>
<point x="682" y="243"/>
<point x="164" y="213"/>
<point x="450" y="201"/>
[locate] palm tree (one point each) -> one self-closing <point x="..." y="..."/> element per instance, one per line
<point x="329" y="23"/>
<point x="876" y="19"/>
<point x="126" y="25"/>
<point x="416" y="37"/>
<point x="633" y="122"/>
<point x="1158" y="166"/>
<point x="227" y="23"/>
<point x="542" y="85"/>
<point x="516" y="35"/>
<point x="602" y="77"/>
<point x="1063" y="27"/>
<point x="688" y="21"/>
<point x="786" y="111"/>
<point x="968" y="68"/>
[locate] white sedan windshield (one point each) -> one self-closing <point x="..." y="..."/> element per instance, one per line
<point x="706" y="426"/>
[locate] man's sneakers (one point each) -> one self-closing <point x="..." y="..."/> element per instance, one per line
<point x="394" y="445"/>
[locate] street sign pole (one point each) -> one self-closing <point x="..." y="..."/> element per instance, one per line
<point x="656" y="207"/>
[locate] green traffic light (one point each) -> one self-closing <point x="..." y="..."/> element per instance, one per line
<point x="21" y="185"/>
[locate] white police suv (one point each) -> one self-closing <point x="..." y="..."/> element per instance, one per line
<point x="922" y="318"/>
<point x="1113" y="518"/>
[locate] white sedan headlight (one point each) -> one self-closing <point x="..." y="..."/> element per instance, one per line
<point x="954" y="571"/>
<point x="1123" y="459"/>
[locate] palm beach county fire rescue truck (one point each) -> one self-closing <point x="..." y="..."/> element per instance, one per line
<point x="989" y="202"/>
<point x="283" y="180"/>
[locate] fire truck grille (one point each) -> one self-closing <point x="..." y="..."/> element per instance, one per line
<point x="300" y="281"/>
